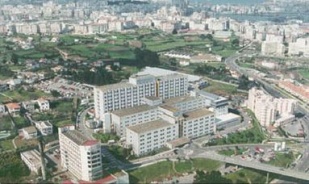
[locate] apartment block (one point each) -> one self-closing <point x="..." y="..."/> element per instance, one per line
<point x="267" y="108"/>
<point x="150" y="136"/>
<point x="79" y="155"/>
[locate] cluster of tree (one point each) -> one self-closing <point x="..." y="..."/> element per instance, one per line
<point x="5" y="71"/>
<point x="247" y="136"/>
<point x="209" y="70"/>
<point x="210" y="177"/>
<point x="146" y="58"/>
<point x="105" y="137"/>
<point x="98" y="77"/>
<point x="120" y="152"/>
<point x="208" y="36"/>
<point x="245" y="83"/>
<point x="12" y="168"/>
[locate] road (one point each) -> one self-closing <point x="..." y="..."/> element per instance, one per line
<point x="254" y="165"/>
<point x="275" y="91"/>
<point x="81" y="122"/>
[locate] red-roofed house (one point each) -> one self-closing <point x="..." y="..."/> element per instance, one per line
<point x="13" y="108"/>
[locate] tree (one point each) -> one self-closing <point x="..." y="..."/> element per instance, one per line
<point x="55" y="93"/>
<point x="174" y="31"/>
<point x="235" y="42"/>
<point x="14" y="59"/>
<point x="210" y="177"/>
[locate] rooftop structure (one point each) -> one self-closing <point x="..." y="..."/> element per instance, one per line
<point x="149" y="126"/>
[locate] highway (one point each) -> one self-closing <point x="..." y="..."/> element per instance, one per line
<point x="255" y="165"/>
<point x="303" y="164"/>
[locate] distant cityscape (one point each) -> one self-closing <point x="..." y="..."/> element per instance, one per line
<point x="154" y="91"/>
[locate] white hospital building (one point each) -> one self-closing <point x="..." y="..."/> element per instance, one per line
<point x="79" y="155"/>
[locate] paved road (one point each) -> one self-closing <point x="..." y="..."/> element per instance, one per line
<point x="254" y="165"/>
<point x="80" y="121"/>
<point x="275" y="91"/>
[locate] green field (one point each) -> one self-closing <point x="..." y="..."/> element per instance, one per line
<point x="247" y="176"/>
<point x="304" y="73"/>
<point x="5" y="123"/>
<point x="22" y="95"/>
<point x="165" y="169"/>
<point x="63" y="123"/>
<point x="6" y="145"/>
<point x="220" y="88"/>
<point x="283" y="159"/>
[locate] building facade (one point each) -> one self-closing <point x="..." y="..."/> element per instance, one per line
<point x="150" y="136"/>
<point x="79" y="155"/>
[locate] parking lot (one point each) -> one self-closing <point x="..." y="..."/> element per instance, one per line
<point x="66" y="88"/>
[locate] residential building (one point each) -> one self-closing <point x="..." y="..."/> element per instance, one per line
<point x="32" y="159"/>
<point x="295" y="88"/>
<point x="43" y="104"/>
<point x="267" y="108"/>
<point x="13" y="108"/>
<point x="299" y="48"/>
<point x="30" y="132"/>
<point x="150" y="136"/>
<point x="272" y="48"/>
<point x="29" y="106"/>
<point x="2" y="109"/>
<point x="45" y="127"/>
<point x="80" y="155"/>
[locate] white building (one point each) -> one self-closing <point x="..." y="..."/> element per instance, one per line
<point x="272" y="48"/>
<point x="79" y="155"/>
<point x="45" y="127"/>
<point x="267" y="108"/>
<point x="198" y="123"/>
<point x="30" y="132"/>
<point x="150" y="136"/>
<point x="32" y="159"/>
<point x="300" y="47"/>
<point x="132" y="116"/>
<point x="2" y="109"/>
<point x="128" y="94"/>
<point x="43" y="104"/>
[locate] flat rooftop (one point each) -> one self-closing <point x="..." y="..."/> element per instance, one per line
<point x="147" y="127"/>
<point x="170" y="108"/>
<point x="178" y="99"/>
<point x="226" y="117"/>
<point x="114" y="86"/>
<point x="78" y="138"/>
<point x="133" y="110"/>
<point x="33" y="156"/>
<point x="197" y="114"/>
<point x="163" y="72"/>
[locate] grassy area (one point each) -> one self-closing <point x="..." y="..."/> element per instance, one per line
<point x="221" y="88"/>
<point x="230" y="152"/>
<point x="21" y="143"/>
<point x="64" y="122"/>
<point x="6" y="145"/>
<point x="163" y="170"/>
<point x="21" y="122"/>
<point x="283" y="159"/>
<point x="304" y="72"/>
<point x="5" y="123"/>
<point x="247" y="176"/>
<point x="22" y="95"/>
